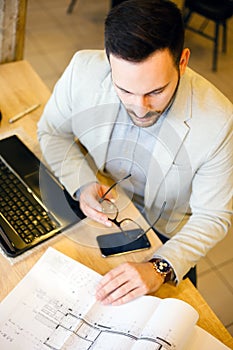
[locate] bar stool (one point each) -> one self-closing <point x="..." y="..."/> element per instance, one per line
<point x="215" y="10"/>
<point x="71" y="6"/>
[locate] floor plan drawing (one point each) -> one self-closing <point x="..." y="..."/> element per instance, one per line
<point x="54" y="308"/>
<point x="74" y="330"/>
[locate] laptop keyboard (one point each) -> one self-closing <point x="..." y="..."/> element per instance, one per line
<point x="20" y="209"/>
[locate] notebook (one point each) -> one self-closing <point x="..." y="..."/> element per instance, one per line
<point x="34" y="205"/>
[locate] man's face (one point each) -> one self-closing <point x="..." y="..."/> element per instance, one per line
<point x="145" y="88"/>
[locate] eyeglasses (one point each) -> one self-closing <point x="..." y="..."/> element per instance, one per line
<point x="131" y="229"/>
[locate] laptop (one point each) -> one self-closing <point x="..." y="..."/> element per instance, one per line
<point x="34" y="205"/>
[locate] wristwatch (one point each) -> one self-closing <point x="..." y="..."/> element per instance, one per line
<point x="163" y="268"/>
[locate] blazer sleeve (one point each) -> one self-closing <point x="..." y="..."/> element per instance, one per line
<point x="211" y="207"/>
<point x="56" y="137"/>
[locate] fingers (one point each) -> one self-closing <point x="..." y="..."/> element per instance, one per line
<point x="95" y="214"/>
<point x="120" y="285"/>
<point x="90" y="206"/>
<point x="127" y="282"/>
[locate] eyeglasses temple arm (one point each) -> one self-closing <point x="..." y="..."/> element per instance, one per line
<point x="112" y="186"/>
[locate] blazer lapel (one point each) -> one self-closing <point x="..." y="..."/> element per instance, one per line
<point x="172" y="134"/>
<point x="101" y="120"/>
<point x="170" y="140"/>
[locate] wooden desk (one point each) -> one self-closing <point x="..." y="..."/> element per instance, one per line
<point x="21" y="87"/>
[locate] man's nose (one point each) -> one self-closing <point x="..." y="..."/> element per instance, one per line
<point x="141" y="105"/>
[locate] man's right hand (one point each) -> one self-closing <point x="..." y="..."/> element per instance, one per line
<point x="89" y="202"/>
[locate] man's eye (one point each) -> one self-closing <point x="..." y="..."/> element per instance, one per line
<point x="156" y="92"/>
<point x="125" y="92"/>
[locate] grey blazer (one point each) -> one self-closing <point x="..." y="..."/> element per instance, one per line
<point x="191" y="165"/>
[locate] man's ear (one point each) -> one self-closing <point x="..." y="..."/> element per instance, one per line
<point x="184" y="60"/>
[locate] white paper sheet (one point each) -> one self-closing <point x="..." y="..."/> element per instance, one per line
<point x="54" y="307"/>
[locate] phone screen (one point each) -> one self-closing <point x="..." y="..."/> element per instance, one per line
<point x="118" y="243"/>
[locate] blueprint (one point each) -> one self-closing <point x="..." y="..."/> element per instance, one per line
<point x="54" y="307"/>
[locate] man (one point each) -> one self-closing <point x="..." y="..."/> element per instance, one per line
<point x="138" y="109"/>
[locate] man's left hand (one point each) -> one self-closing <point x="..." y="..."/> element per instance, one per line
<point x="127" y="282"/>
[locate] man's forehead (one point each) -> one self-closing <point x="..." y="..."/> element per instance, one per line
<point x="144" y="77"/>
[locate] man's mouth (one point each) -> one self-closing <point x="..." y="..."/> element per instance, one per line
<point x="148" y="115"/>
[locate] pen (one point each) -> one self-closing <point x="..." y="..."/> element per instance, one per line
<point x="22" y="114"/>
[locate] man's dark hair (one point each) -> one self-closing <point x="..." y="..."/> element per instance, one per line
<point x="137" y="28"/>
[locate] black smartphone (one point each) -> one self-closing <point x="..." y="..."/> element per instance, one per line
<point x="117" y="243"/>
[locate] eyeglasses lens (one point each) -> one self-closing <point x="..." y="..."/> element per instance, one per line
<point x="131" y="229"/>
<point x="110" y="209"/>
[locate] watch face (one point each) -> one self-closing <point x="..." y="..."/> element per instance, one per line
<point x="163" y="266"/>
